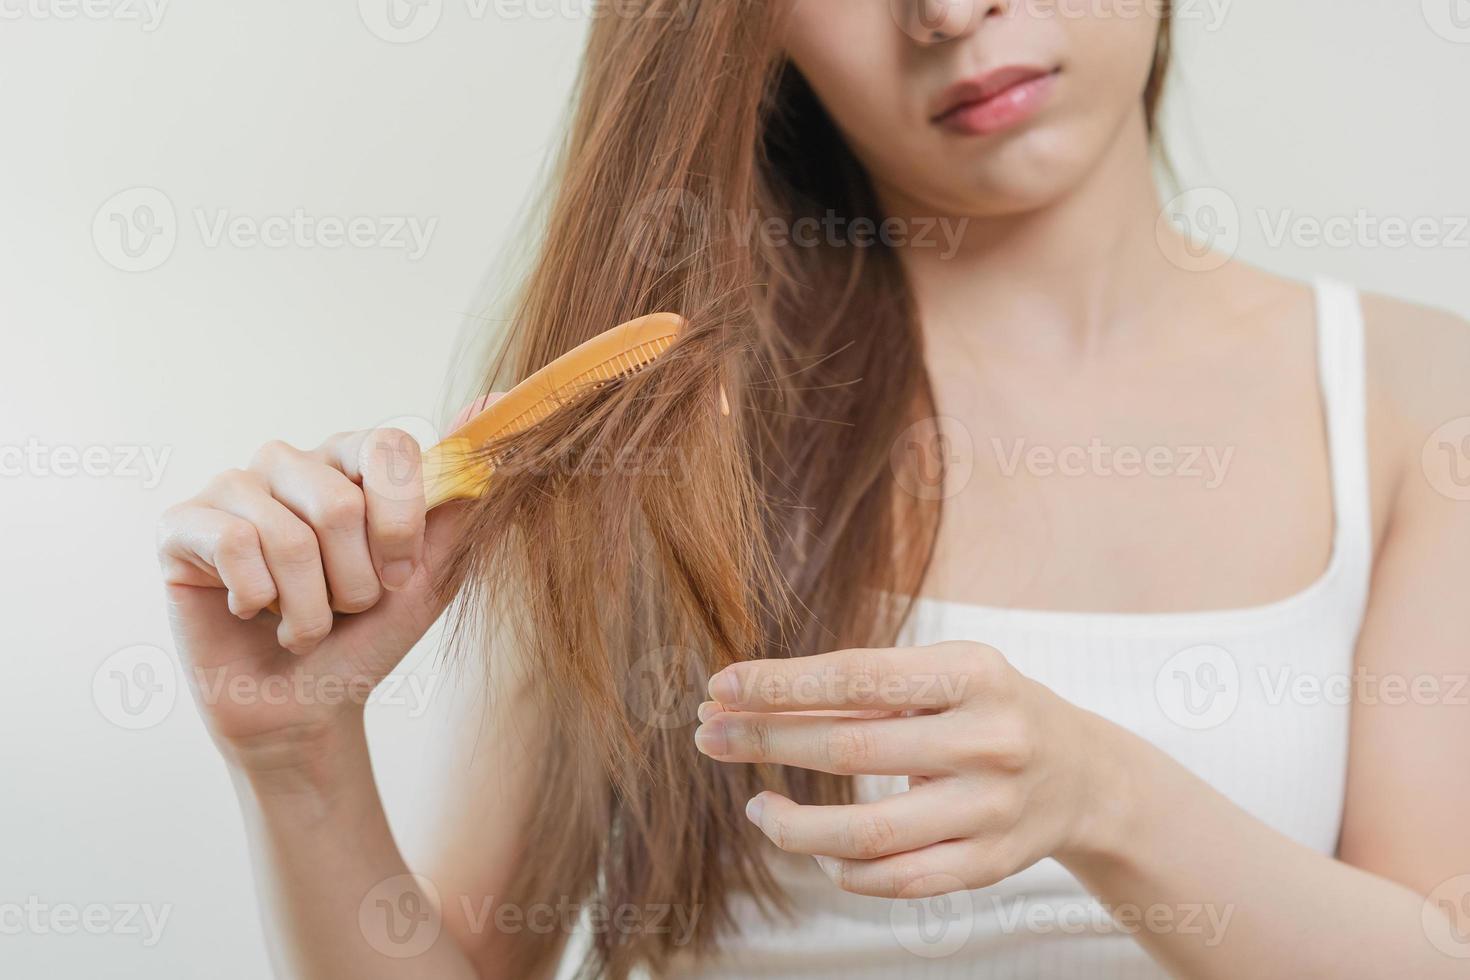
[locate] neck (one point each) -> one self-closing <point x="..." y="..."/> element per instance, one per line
<point x="1077" y="275"/>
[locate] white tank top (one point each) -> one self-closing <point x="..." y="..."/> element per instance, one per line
<point x="1254" y="701"/>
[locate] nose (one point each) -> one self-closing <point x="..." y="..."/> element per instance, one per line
<point x="932" y="22"/>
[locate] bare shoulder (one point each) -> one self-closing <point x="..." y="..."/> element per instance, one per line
<point x="1418" y="363"/>
<point x="1420" y="356"/>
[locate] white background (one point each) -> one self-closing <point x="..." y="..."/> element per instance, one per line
<point x="1311" y="110"/>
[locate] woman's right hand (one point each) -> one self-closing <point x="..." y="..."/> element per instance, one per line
<point x="338" y="529"/>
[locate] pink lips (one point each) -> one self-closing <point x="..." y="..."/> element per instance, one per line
<point x="994" y="101"/>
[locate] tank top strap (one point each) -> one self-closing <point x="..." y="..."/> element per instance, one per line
<point x="1342" y="375"/>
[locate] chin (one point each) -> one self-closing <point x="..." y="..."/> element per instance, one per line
<point x="1025" y="175"/>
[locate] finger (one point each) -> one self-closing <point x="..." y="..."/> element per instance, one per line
<point x="846" y="746"/>
<point x="222" y="549"/>
<point x="388" y="465"/>
<point x="334" y="507"/>
<point x="291" y="554"/>
<point x="949" y="866"/>
<point x="708" y="709"/>
<point x="475" y="408"/>
<point x="407" y="613"/>
<point x="898" y="679"/>
<point x="864" y="831"/>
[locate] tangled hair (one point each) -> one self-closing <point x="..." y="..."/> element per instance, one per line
<point x="638" y="541"/>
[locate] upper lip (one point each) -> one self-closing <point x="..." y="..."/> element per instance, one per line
<point x="986" y="85"/>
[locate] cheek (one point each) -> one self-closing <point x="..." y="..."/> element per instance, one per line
<point x="854" y="58"/>
<point x="1110" y="48"/>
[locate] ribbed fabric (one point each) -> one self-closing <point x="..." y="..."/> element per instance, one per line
<point x="1254" y="701"/>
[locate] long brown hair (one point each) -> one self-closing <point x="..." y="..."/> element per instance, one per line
<point x="637" y="542"/>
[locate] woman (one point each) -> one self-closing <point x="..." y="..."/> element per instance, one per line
<point x="907" y="235"/>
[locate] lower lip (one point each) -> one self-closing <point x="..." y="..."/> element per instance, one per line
<point x="1001" y="111"/>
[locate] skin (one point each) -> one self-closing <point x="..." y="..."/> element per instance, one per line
<point x="1061" y="285"/>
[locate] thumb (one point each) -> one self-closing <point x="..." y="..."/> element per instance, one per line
<point x="384" y="634"/>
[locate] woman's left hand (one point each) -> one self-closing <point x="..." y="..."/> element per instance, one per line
<point x="1002" y="771"/>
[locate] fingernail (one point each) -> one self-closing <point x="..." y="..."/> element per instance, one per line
<point x="708" y="710"/>
<point x="753" y="809"/>
<point x="397" y="574"/>
<point x="723" y="687"/>
<point x="828" y="865"/>
<point x="711" y="739"/>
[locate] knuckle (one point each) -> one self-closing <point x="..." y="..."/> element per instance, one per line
<point x="396" y="441"/>
<point x="1013" y="750"/>
<point x="871" y="835"/>
<point x="237" y="541"/>
<point x="864" y="677"/>
<point x="758" y="738"/>
<point x="232" y="479"/>
<point x="310" y="630"/>
<point x="295" y="545"/>
<point x="255" y="595"/>
<point x="359" y="598"/>
<point x="905" y="876"/>
<point x="340" y="510"/>
<point x="1000" y="808"/>
<point x="779" y="830"/>
<point x="397" y="530"/>
<point x="272" y="453"/>
<point x="990" y="667"/>
<point x="391" y="449"/>
<point x="989" y="865"/>
<point x="848" y="748"/>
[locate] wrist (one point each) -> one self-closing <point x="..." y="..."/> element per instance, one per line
<point x="1113" y="763"/>
<point x="306" y="760"/>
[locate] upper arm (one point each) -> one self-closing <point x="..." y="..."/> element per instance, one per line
<point x="1408" y="794"/>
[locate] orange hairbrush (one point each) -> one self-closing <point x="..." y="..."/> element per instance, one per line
<point x="451" y="471"/>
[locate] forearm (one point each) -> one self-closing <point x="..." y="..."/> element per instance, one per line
<point x="337" y="899"/>
<point x="1231" y="896"/>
